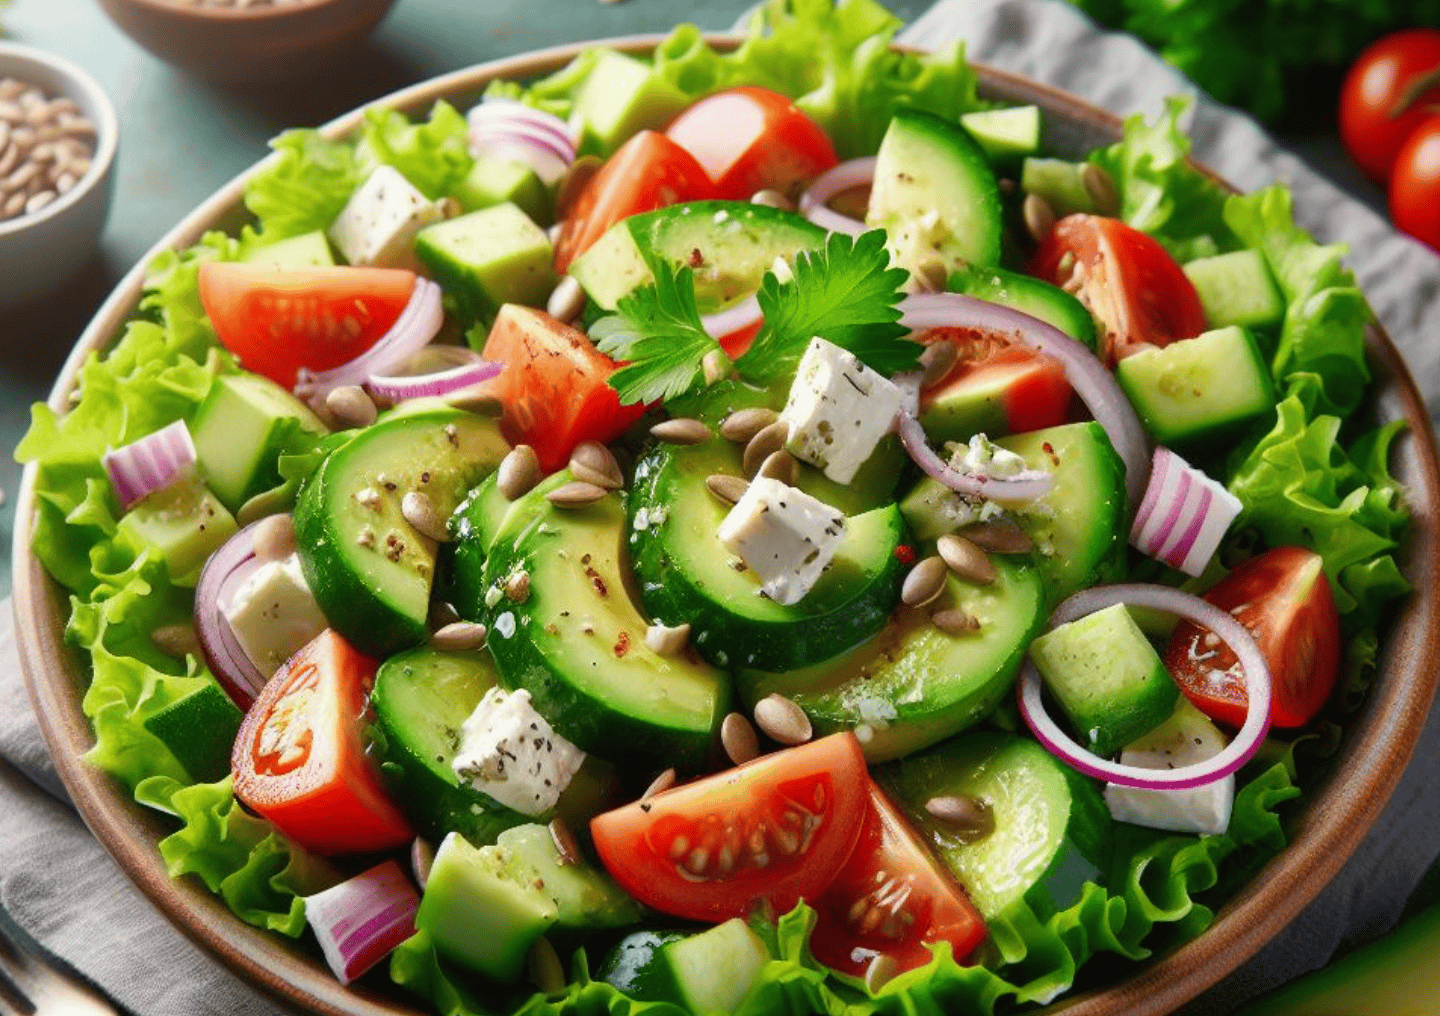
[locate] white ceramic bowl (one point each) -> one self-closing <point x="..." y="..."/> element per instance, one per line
<point x="40" y="251"/>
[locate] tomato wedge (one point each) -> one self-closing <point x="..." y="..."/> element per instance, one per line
<point x="892" y="899"/>
<point x="752" y="139"/>
<point x="554" y="386"/>
<point x="1131" y="284"/>
<point x="277" y="321"/>
<point x="995" y="387"/>
<point x="777" y="829"/>
<point x="1284" y="599"/>
<point x="299" y="760"/>
<point x="649" y="171"/>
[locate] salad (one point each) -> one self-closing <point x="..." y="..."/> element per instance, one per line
<point x="739" y="531"/>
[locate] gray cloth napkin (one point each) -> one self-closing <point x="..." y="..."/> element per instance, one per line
<point x="60" y="885"/>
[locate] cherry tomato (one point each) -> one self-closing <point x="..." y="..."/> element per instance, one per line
<point x="1133" y="287"/>
<point x="1005" y="388"/>
<point x="752" y="139"/>
<point x="554" y="386"/>
<point x="1385" y="97"/>
<point x="1283" y="598"/>
<point x="276" y="321"/>
<point x="1415" y="184"/>
<point x="777" y="829"/>
<point x="649" y="171"/>
<point x="299" y="760"/>
<point x="893" y="899"/>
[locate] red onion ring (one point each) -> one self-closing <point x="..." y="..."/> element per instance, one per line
<point x="814" y="202"/>
<point x="511" y="130"/>
<point x="995" y="488"/>
<point x="508" y="111"/>
<point x="417" y="324"/>
<point x="732" y="319"/>
<point x="1230" y="631"/>
<point x="224" y="573"/>
<point x="1095" y="385"/>
<point x="416" y="386"/>
<point x="150" y="464"/>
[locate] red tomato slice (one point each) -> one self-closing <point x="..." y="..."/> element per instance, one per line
<point x="1026" y="387"/>
<point x="649" y="171"/>
<point x="1384" y="97"/>
<point x="892" y="899"/>
<point x="1131" y="284"/>
<point x="554" y="386"/>
<point x="1283" y="598"/>
<point x="752" y="139"/>
<point x="777" y="829"/>
<point x="299" y="760"/>
<point x="277" y="321"/>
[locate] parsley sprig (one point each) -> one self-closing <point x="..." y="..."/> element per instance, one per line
<point x="845" y="292"/>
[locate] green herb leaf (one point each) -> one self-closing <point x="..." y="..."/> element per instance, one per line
<point x="846" y="293"/>
<point x="658" y="329"/>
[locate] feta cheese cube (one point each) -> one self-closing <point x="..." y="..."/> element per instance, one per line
<point x="379" y="222"/>
<point x="509" y="751"/>
<point x="838" y="410"/>
<point x="274" y="615"/>
<point x="1184" y="739"/>
<point x="785" y="536"/>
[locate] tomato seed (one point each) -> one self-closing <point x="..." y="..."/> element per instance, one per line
<point x="177" y="640"/>
<point x="273" y="538"/>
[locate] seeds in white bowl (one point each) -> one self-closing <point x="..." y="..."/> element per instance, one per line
<point x="46" y="148"/>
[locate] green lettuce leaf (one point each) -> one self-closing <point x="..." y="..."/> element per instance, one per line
<point x="433" y="155"/>
<point x="304" y="185"/>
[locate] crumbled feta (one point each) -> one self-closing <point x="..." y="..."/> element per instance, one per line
<point x="273" y="614"/>
<point x="509" y="751"/>
<point x="782" y="271"/>
<point x="838" y="410"/>
<point x="785" y="536"/>
<point x="379" y="222"/>
<point x="1184" y="739"/>
<point x="983" y="457"/>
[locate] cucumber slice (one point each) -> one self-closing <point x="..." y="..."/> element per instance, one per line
<point x="482" y="515"/>
<point x="934" y="194"/>
<point x="1032" y="296"/>
<point x="685" y="574"/>
<point x="369" y="569"/>
<point x="586" y="898"/>
<point x="1200" y="392"/>
<point x="1107" y="678"/>
<point x="1005" y="133"/>
<point x="1237" y="289"/>
<point x="1059" y="183"/>
<point x="1049" y="821"/>
<point x="912" y="684"/>
<point x="713" y="971"/>
<point x="576" y="640"/>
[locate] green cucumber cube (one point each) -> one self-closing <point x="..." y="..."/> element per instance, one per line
<point x="1107" y="678"/>
<point x="1005" y="133"/>
<point x="635" y="966"/>
<point x="495" y="181"/>
<point x="620" y="97"/>
<point x="200" y="731"/>
<point x="240" y="430"/>
<point x="488" y="258"/>
<point x="585" y="896"/>
<point x="184" y="523"/>
<point x="1059" y="183"/>
<point x="713" y="971"/>
<point x="308" y="250"/>
<point x="1200" y="391"/>
<point x="1237" y="289"/>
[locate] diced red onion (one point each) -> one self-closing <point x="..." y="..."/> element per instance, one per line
<point x="360" y="921"/>
<point x="417" y="324"/>
<point x="732" y="319"/>
<point x="150" y="464"/>
<point x="225" y="572"/>
<point x="1095" y="385"/>
<point x="814" y="203"/>
<point x="400" y="387"/>
<point x="1255" y="670"/>
<point x="512" y="130"/>
<point x="1026" y="487"/>
<point x="1184" y="516"/>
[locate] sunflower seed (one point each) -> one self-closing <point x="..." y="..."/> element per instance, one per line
<point x="666" y="641"/>
<point x="969" y="819"/>
<point x="955" y="622"/>
<point x="781" y="466"/>
<point x="460" y="635"/>
<point x="933" y="277"/>
<point x="781" y="720"/>
<point x="9" y="156"/>
<point x="575" y="180"/>
<point x="422" y="859"/>
<point x="1100" y="185"/>
<point x="576" y="495"/>
<point x="925" y="582"/>
<point x="567" y="851"/>
<point x="476" y="399"/>
<point x="764" y="444"/>
<point x="742" y="425"/>
<point x="274" y="537"/>
<point x="566" y="301"/>
<point x="593" y="463"/>
<point x="351" y="406"/>
<point x="268" y="502"/>
<point x="681" y="431"/>
<point x="937" y="361"/>
<point x="177" y="640"/>
<point x="546" y="971"/>
<point x="715" y="366"/>
<point x="659" y="784"/>
<point x="879" y="973"/>
<point x="772" y="199"/>
<point x="739" y="739"/>
<point x="729" y="489"/>
<point x="518" y="473"/>
<point x="421" y="513"/>
<point x="441" y="614"/>
<point x="517" y="586"/>
<point x="1038" y="215"/>
<point x="999" y="536"/>
<point x="965" y="559"/>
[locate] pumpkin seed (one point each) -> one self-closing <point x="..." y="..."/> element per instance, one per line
<point x="420" y="512"/>
<point x="999" y="536"/>
<point x="955" y="622"/>
<point x="969" y="819"/>
<point x="925" y="582"/>
<point x="739" y="739"/>
<point x="782" y="720"/>
<point x="781" y="466"/>
<point x="274" y="538"/>
<point x="666" y="641"/>
<point x="592" y="462"/>
<point x="659" y="784"/>
<point x="729" y="489"/>
<point x="741" y="426"/>
<point x="937" y="361"/>
<point x="765" y="443"/>
<point x="965" y="559"/>
<point x="576" y="495"/>
<point x="1100" y="185"/>
<point x="518" y="473"/>
<point x="1039" y="217"/>
<point x="459" y="635"/>
<point x="681" y="431"/>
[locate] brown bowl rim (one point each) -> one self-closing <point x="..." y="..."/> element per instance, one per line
<point x="198" y="11"/>
<point x="1332" y="823"/>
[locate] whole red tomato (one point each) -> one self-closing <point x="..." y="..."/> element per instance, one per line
<point x="1392" y="86"/>
<point x="1415" y="184"/>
